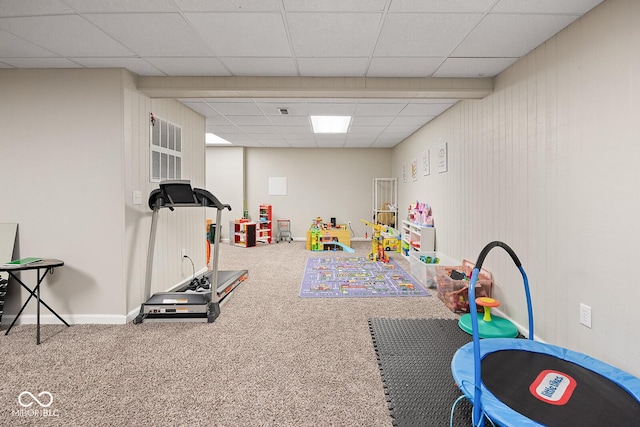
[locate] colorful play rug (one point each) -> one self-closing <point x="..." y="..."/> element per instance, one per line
<point x="357" y="277"/>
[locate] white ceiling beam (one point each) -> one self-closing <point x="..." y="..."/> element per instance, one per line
<point x="316" y="87"/>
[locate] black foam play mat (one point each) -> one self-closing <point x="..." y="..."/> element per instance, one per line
<point x="414" y="357"/>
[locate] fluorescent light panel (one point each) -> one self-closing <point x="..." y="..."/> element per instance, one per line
<point x="330" y="124"/>
<point x="212" y="139"/>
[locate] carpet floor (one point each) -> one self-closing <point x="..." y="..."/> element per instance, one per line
<point x="270" y="359"/>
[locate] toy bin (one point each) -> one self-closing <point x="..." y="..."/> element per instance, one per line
<point x="423" y="266"/>
<point x="455" y="293"/>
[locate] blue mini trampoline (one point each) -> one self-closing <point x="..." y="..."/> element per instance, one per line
<point x="518" y="382"/>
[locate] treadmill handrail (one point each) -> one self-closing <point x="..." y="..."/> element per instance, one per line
<point x="159" y="198"/>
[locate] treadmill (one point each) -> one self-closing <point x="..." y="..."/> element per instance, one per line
<point x="180" y="304"/>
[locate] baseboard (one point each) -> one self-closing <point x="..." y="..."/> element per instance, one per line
<point x="72" y="319"/>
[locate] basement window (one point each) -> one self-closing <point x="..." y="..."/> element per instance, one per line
<point x="166" y="150"/>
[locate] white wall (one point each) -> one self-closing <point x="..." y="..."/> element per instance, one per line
<point x="548" y="164"/>
<point x="75" y="144"/>
<point x="225" y="179"/>
<point x="62" y="178"/>
<point x="320" y="182"/>
<point x="181" y="229"/>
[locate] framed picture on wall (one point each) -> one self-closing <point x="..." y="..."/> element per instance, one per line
<point x="442" y="158"/>
<point x="404" y="172"/>
<point x="414" y="170"/>
<point x="426" y="166"/>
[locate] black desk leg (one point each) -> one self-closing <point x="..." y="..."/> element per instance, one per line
<point x="35" y="292"/>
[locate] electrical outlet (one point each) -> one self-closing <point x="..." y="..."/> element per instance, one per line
<point x="184" y="253"/>
<point x="585" y="315"/>
<point x="137" y="197"/>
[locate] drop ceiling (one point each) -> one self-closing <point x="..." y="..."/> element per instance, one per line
<point x="394" y="41"/>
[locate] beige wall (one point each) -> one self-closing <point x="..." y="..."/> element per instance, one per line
<point x="320" y="182"/>
<point x="62" y="179"/>
<point x="548" y="164"/>
<point x="75" y="145"/>
<point x="225" y="179"/>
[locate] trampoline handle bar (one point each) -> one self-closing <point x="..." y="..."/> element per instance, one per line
<point x="477" y="416"/>
<point x="487" y="249"/>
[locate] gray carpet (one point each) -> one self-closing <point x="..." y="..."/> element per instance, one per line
<point x="270" y="359"/>
<point x="415" y="363"/>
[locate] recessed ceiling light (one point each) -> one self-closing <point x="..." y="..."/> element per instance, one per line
<point x="330" y="124"/>
<point x="212" y="139"/>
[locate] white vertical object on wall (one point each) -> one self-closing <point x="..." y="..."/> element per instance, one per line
<point x="277" y="185"/>
<point x="442" y="157"/>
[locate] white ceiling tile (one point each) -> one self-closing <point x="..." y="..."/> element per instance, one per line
<point x="364" y="143"/>
<point x="146" y="33"/>
<point x="243" y="34"/>
<point x="334" y="34"/>
<point x="267" y="66"/>
<point x="331" y="109"/>
<point x="60" y="35"/>
<point x="403" y="67"/>
<point x="367" y="121"/>
<point x="420" y="109"/>
<point x="473" y="67"/>
<point x="577" y="7"/>
<point x="379" y="109"/>
<point x="199" y="107"/>
<point x="40" y="63"/>
<point x="295" y="130"/>
<point x="334" y="5"/>
<point x="303" y="143"/>
<point x="101" y="6"/>
<point x="253" y="129"/>
<point x="386" y="143"/>
<point x="136" y="65"/>
<point x="290" y="120"/>
<point x="330" y="144"/>
<point x="33" y="8"/>
<point x="249" y="120"/>
<point x="408" y="121"/>
<point x="355" y="130"/>
<point x="15" y="47"/>
<point x="266" y="136"/>
<point x="421" y="34"/>
<point x="325" y="67"/>
<point x="228" y="5"/>
<point x="503" y="36"/>
<point x="279" y="143"/>
<point x="189" y="66"/>
<point x="441" y="6"/>
<point x="242" y="107"/>
<point x="226" y="130"/>
<point x="307" y="136"/>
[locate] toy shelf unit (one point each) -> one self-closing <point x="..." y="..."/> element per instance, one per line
<point x="242" y="233"/>
<point x="265" y="225"/>
<point x="417" y="238"/>
<point x="385" y="201"/>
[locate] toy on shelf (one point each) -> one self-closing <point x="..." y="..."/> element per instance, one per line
<point x="382" y="237"/>
<point x="322" y="236"/>
<point x="420" y="213"/>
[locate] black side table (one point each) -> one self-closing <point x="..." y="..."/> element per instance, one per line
<point x="43" y="267"/>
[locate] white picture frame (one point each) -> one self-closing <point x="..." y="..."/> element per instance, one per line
<point x="442" y="157"/>
<point x="426" y="164"/>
